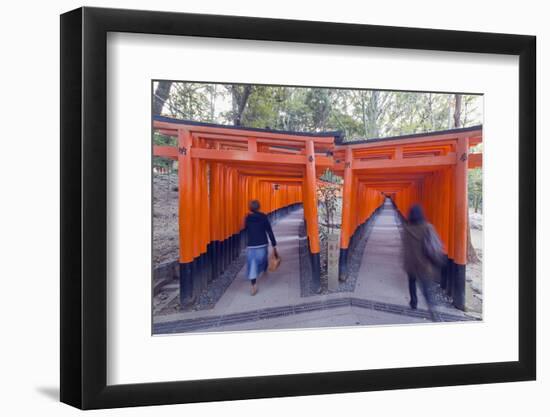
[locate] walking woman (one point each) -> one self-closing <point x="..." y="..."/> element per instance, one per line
<point x="257" y="229"/>
<point x="422" y="251"/>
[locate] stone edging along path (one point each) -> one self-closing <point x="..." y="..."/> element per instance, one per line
<point x="181" y="326"/>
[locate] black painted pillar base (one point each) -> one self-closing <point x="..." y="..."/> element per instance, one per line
<point x="459" y="286"/>
<point x="212" y="247"/>
<point x="186" y="284"/>
<point x="219" y="257"/>
<point x="203" y="271"/>
<point x="209" y="263"/>
<point x="236" y="245"/>
<point x="315" y="272"/>
<point x="445" y="272"/>
<point x="225" y="253"/>
<point x="441" y="277"/>
<point x="195" y="277"/>
<point x="243" y="239"/>
<point x="343" y="265"/>
<point x="229" y="249"/>
<point x="450" y="278"/>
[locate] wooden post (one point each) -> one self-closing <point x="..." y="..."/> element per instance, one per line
<point x="214" y="215"/>
<point x="185" y="187"/>
<point x="461" y="222"/>
<point x="198" y="263"/>
<point x="311" y="219"/>
<point x="346" y="215"/>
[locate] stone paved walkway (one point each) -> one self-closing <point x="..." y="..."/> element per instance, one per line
<point x="381" y="276"/>
<point x="380" y="296"/>
<point x="278" y="288"/>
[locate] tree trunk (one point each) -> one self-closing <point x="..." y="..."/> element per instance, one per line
<point x="458" y="108"/>
<point x="240" y="98"/>
<point x="162" y="92"/>
<point x="364" y="110"/>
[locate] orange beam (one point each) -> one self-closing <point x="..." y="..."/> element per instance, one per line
<point x="166" y="151"/>
<point x="449" y="159"/>
<point x="475" y="160"/>
<point x="246" y="156"/>
<point x="230" y="131"/>
<point x="424" y="140"/>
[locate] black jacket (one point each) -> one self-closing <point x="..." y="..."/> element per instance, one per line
<point x="257" y="226"/>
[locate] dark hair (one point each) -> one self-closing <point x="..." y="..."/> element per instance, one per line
<point x="416" y="215"/>
<point x="254" y="205"/>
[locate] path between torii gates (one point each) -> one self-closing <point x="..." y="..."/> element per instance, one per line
<point x="380" y="296"/>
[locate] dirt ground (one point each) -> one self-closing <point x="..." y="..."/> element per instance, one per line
<point x="165" y="218"/>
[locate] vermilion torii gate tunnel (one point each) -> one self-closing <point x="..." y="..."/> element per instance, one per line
<point x="222" y="168"/>
<point x="430" y="169"/>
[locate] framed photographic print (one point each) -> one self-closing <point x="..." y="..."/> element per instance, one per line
<point x="256" y="207"/>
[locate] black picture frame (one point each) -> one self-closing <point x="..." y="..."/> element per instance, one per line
<point x="84" y="207"/>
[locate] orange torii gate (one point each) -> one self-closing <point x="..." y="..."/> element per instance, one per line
<point x="222" y="168"/>
<point x="430" y="169"/>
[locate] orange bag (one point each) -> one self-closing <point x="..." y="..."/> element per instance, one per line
<point x="274" y="262"/>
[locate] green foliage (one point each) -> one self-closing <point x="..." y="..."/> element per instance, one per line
<point x="160" y="139"/>
<point x="193" y="101"/>
<point x="475" y="189"/>
<point x="360" y="114"/>
<point x="265" y="106"/>
<point x="318" y="101"/>
<point x="163" y="140"/>
<point x="330" y="176"/>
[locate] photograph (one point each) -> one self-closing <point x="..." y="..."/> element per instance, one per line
<point x="258" y="207"/>
<point x="281" y="207"/>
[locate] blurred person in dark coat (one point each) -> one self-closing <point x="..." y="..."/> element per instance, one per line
<point x="422" y="251"/>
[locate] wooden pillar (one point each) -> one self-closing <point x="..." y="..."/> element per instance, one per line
<point x="214" y="216"/>
<point x="346" y="216"/>
<point x="186" y="215"/>
<point x="222" y="220"/>
<point x="461" y="222"/>
<point x="235" y="213"/>
<point x="311" y="218"/>
<point x="446" y="223"/>
<point x="207" y="242"/>
<point x="199" y="277"/>
<point x="228" y="216"/>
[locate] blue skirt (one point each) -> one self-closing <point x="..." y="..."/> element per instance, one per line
<point x="256" y="261"/>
